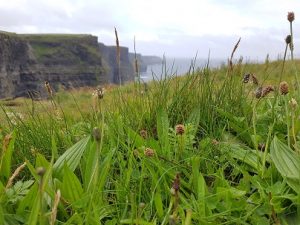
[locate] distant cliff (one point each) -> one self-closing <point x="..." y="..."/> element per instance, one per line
<point x="111" y="68"/>
<point x="70" y="60"/>
<point x="144" y="61"/>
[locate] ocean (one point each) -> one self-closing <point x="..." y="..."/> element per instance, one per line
<point x="177" y="67"/>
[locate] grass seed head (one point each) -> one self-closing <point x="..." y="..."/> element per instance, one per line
<point x="48" y="88"/>
<point x="246" y="78"/>
<point x="144" y="133"/>
<point x="291" y="17"/>
<point x="142" y="205"/>
<point x="15" y="174"/>
<point x="149" y="152"/>
<point x="261" y="146"/>
<point x="40" y="171"/>
<point x="266" y="90"/>
<point x="176" y="183"/>
<point x="215" y="142"/>
<point x="179" y="129"/>
<point x="54" y="209"/>
<point x="97" y="134"/>
<point x="288" y="39"/>
<point x="6" y="141"/>
<point x="98" y="93"/>
<point x="293" y="104"/>
<point x="258" y="92"/>
<point x="254" y="79"/>
<point x="284" y="88"/>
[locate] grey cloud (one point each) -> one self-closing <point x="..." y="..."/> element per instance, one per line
<point x="251" y="47"/>
<point x="48" y="18"/>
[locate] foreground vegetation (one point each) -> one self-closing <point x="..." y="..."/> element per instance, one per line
<point x="212" y="147"/>
<point x="215" y="146"/>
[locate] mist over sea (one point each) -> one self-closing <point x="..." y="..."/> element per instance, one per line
<point x="178" y="66"/>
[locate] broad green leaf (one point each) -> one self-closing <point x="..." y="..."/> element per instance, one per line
<point x="199" y="185"/>
<point x="158" y="204"/>
<point x="71" y="187"/>
<point x="286" y="160"/>
<point x="245" y="155"/>
<point x="91" y="166"/>
<point x="163" y="130"/>
<point x="287" y="163"/>
<point x="105" y="169"/>
<point x="238" y="125"/>
<point x="6" y="158"/>
<point x="71" y="157"/>
<point x="28" y="200"/>
<point x="31" y="169"/>
<point x="35" y="210"/>
<point x="41" y="161"/>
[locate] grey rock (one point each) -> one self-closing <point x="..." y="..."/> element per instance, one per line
<point x="27" y="61"/>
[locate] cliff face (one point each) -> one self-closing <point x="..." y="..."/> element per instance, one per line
<point x="109" y="55"/>
<point x="14" y="61"/>
<point x="27" y="61"/>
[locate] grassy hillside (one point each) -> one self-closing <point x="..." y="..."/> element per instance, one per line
<point x="61" y="47"/>
<point x="211" y="147"/>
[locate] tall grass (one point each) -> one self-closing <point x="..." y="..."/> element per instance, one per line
<point x="127" y="161"/>
<point x="216" y="146"/>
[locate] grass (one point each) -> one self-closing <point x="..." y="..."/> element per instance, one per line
<point x="121" y="159"/>
<point x="216" y="146"/>
<point x="68" y="48"/>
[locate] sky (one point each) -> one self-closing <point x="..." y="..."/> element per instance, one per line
<point x="173" y="28"/>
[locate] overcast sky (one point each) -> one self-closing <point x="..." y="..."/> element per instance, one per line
<point x="170" y="27"/>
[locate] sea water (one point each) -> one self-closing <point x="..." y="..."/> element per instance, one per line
<point x="178" y="67"/>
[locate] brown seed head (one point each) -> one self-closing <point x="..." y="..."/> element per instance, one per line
<point x="284" y="88"/>
<point x="40" y="171"/>
<point x="173" y="220"/>
<point x="15" y="174"/>
<point x="142" y="205"/>
<point x="254" y="79"/>
<point x="176" y="183"/>
<point x="179" y="129"/>
<point x="266" y="90"/>
<point x="98" y="93"/>
<point x="214" y="142"/>
<point x="144" y="133"/>
<point x="288" y="39"/>
<point x="48" y="88"/>
<point x="261" y="146"/>
<point x="54" y="208"/>
<point x="246" y="78"/>
<point x="149" y="152"/>
<point x="258" y="92"/>
<point x="97" y="134"/>
<point x="6" y="141"/>
<point x="291" y="16"/>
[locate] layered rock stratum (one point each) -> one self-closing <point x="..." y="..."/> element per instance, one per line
<point x="67" y="60"/>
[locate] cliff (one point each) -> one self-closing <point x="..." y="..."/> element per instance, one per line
<point x="144" y="61"/>
<point x="27" y="61"/>
<point x="109" y="58"/>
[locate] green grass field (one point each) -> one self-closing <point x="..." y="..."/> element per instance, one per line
<point x="205" y="148"/>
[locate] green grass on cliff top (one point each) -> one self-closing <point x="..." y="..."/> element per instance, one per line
<point x="195" y="149"/>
